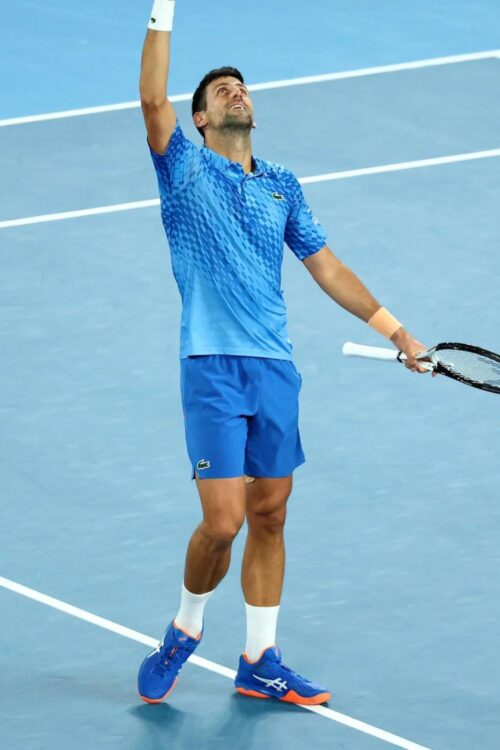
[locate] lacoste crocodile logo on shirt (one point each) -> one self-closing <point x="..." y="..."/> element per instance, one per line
<point x="203" y="464"/>
<point x="278" y="197"/>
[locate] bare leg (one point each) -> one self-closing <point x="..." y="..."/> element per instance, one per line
<point x="264" y="559"/>
<point x="209" y="551"/>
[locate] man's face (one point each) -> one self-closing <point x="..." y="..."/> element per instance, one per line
<point x="228" y="106"/>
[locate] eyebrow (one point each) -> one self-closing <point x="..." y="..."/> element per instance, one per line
<point x="239" y="84"/>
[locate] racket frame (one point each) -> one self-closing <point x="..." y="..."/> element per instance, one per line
<point x="443" y="370"/>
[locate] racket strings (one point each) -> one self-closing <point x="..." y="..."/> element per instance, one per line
<point x="471" y="366"/>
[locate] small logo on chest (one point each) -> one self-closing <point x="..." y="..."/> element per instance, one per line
<point x="278" y="197"/>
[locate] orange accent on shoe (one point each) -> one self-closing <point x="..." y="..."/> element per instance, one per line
<point x="271" y="645"/>
<point x="293" y="697"/>
<point x="159" y="700"/>
<point x="197" y="638"/>
<point x="251" y="693"/>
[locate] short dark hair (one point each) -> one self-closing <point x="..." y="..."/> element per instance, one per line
<point x="199" y="102"/>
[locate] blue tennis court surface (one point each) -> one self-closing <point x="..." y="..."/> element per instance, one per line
<point x="392" y="594"/>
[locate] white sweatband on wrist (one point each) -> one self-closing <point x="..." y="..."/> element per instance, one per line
<point x="162" y="15"/>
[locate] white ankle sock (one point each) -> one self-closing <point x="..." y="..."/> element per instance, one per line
<point x="190" y="615"/>
<point x="261" y="629"/>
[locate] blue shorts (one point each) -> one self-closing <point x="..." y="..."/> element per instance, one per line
<point x="241" y="415"/>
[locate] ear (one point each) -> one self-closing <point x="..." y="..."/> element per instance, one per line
<point x="200" y="119"/>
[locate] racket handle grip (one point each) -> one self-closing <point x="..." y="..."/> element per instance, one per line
<point x="388" y="355"/>
<point x="369" y="352"/>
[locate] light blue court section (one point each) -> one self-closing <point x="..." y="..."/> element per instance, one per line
<point x="56" y="56"/>
<point x="392" y="590"/>
<point x="393" y="526"/>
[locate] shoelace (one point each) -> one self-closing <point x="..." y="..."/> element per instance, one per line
<point x="169" y="660"/>
<point x="295" y="674"/>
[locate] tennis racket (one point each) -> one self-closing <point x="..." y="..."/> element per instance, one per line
<point x="467" y="364"/>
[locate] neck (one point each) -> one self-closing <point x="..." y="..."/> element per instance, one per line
<point x="233" y="145"/>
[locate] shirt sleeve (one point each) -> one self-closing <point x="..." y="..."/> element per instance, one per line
<point x="178" y="164"/>
<point x="304" y="235"/>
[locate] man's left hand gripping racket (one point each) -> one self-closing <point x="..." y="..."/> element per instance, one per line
<point x="467" y="364"/>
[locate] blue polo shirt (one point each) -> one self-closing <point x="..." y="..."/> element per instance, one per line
<point x="226" y="232"/>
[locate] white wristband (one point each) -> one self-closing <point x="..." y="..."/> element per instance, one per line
<point x="162" y="15"/>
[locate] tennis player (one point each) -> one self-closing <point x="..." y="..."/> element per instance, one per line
<point x="227" y="215"/>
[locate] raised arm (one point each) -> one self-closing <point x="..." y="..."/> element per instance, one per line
<point x="159" y="115"/>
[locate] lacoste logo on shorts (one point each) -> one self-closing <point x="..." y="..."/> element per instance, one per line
<point x="278" y="197"/>
<point x="203" y="464"/>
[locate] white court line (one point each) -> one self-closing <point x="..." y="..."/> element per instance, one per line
<point x="360" y="72"/>
<point x="398" y="167"/>
<point x="81" y="212"/>
<point x="134" y="635"/>
<point x="401" y="166"/>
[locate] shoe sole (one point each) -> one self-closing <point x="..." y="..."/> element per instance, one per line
<point x="251" y="693"/>
<point x="290" y="697"/>
<point x="159" y="700"/>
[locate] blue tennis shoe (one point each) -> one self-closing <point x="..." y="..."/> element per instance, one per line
<point x="158" y="672"/>
<point x="269" y="678"/>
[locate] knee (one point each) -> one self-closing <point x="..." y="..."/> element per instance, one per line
<point x="269" y="519"/>
<point x="220" y="533"/>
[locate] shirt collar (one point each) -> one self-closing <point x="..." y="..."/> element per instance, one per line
<point x="234" y="169"/>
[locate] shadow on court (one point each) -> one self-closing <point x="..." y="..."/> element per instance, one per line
<point x="239" y="725"/>
<point x="160" y="723"/>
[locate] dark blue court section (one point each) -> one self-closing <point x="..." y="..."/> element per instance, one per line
<point x="392" y="590"/>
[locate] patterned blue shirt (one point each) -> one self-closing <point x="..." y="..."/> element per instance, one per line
<point x="226" y="232"/>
